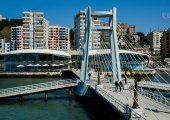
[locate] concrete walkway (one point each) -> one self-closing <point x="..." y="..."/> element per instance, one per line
<point x="151" y="109"/>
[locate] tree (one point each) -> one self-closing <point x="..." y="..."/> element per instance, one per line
<point x="10" y="23"/>
<point x="137" y="78"/>
<point x="5" y="26"/>
<point x="127" y="69"/>
<point x="5" y="33"/>
<point x="98" y="64"/>
<point x="143" y="39"/>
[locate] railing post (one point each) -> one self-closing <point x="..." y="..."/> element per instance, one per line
<point x="20" y="98"/>
<point x="69" y="93"/>
<point x="46" y="96"/>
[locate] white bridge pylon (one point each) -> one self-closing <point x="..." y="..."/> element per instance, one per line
<point x="112" y="27"/>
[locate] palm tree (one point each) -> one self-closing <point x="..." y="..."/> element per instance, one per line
<point x="126" y="69"/>
<point x="137" y="78"/>
<point x="99" y="72"/>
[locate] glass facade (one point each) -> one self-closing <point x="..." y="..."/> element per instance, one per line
<point x="33" y="62"/>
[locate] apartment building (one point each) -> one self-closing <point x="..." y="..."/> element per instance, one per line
<point x="79" y="29"/>
<point x="165" y="45"/>
<point x="59" y="38"/>
<point x="16" y="42"/>
<point x="155" y="41"/>
<point x="35" y="30"/>
<point x="4" y="46"/>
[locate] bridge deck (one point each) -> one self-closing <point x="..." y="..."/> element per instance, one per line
<point x="144" y="84"/>
<point x="35" y="88"/>
<point x="151" y="109"/>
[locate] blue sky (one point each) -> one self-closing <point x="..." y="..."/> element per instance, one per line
<point x="145" y="14"/>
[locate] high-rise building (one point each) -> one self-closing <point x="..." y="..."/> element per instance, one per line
<point x="165" y="45"/>
<point x="131" y="29"/>
<point x="35" y="30"/>
<point x="4" y="46"/>
<point x="16" y="42"/>
<point x="59" y="38"/>
<point x="155" y="41"/>
<point x="79" y="30"/>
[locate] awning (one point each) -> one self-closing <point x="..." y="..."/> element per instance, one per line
<point x="45" y="65"/>
<point x="20" y="66"/>
<point x="29" y="65"/>
<point x="37" y="65"/>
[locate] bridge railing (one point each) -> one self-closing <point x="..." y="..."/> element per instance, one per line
<point x="155" y="85"/>
<point x="123" y="108"/>
<point x="36" y="87"/>
<point x="154" y="96"/>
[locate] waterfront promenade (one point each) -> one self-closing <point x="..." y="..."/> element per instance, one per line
<point x="152" y="109"/>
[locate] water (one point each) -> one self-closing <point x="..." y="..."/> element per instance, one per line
<point x="58" y="106"/>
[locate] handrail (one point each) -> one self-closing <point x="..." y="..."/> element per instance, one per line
<point x="155" y="85"/>
<point x="124" y="108"/>
<point x="37" y="87"/>
<point x="154" y="96"/>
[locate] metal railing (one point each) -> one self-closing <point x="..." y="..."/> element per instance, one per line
<point x="155" y="85"/>
<point x="123" y="108"/>
<point x="40" y="87"/>
<point x="154" y="96"/>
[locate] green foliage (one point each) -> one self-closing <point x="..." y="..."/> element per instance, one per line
<point x="138" y="77"/>
<point x="5" y="26"/>
<point x="126" y="69"/>
<point x="143" y="39"/>
<point x="10" y="23"/>
<point x="5" y="33"/>
<point x="140" y="34"/>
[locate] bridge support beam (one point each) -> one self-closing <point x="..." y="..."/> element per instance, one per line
<point x="85" y="57"/>
<point x="46" y="96"/>
<point x="21" y="98"/>
<point x="116" y="70"/>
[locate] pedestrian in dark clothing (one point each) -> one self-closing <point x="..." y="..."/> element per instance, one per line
<point x="116" y="85"/>
<point x="120" y="86"/>
<point x="89" y="75"/>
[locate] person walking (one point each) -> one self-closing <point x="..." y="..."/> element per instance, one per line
<point x="89" y="75"/>
<point x="116" y="85"/>
<point x="120" y="85"/>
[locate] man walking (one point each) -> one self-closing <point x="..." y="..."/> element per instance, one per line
<point x="89" y="75"/>
<point x="116" y="85"/>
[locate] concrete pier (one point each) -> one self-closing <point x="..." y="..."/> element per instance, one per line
<point x="21" y="98"/>
<point x="46" y="96"/>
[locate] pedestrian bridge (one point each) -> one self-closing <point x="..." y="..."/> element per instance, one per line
<point x="37" y="88"/>
<point x="154" y="107"/>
